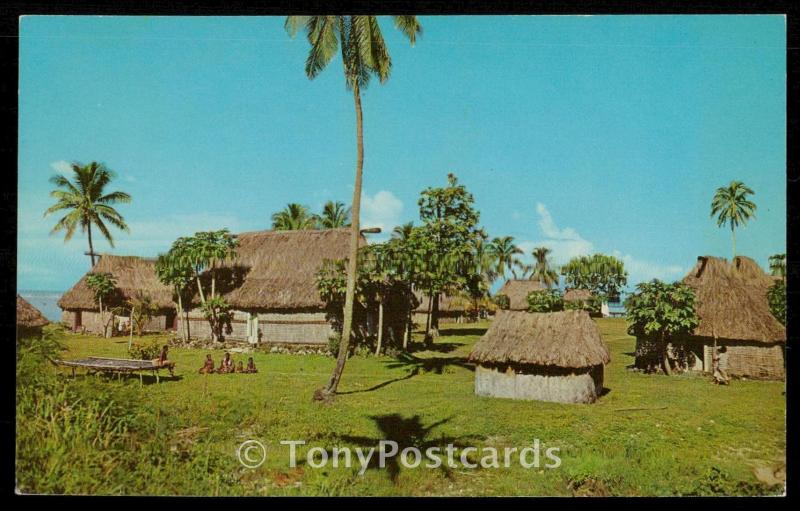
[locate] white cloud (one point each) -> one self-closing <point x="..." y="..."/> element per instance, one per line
<point x="567" y="243"/>
<point x="381" y="210"/>
<point x="129" y="178"/>
<point x="62" y="167"/>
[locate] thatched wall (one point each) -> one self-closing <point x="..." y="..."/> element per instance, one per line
<point x="539" y="384"/>
<point x="276" y="327"/>
<point x="91" y="322"/>
<point x="517" y="292"/>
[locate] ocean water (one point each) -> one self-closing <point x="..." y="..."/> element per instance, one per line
<point x="45" y="301"/>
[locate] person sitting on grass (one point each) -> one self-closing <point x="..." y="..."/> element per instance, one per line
<point x="240" y="367"/>
<point x="208" y="367"/>
<point x="226" y="366"/>
<point x="163" y="361"/>
<point x="251" y="366"/>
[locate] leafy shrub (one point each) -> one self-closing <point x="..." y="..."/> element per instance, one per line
<point x="777" y="301"/>
<point x="334" y="341"/>
<point x="545" y="301"/>
<point x="592" y="305"/>
<point x="145" y="351"/>
<point x="502" y="301"/>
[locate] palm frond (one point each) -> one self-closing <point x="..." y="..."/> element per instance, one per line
<point x="409" y="26"/>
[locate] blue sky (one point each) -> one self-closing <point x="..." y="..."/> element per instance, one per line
<point x="583" y="133"/>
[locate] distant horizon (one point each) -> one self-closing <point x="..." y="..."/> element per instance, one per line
<point x="598" y="134"/>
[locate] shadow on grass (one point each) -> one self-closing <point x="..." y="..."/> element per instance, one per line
<point x="147" y="379"/>
<point x="435" y="365"/>
<point x="462" y="331"/>
<point x="406" y="432"/>
<point x="440" y="347"/>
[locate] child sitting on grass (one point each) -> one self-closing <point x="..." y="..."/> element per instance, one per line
<point x="208" y="367"/>
<point x="251" y="366"/>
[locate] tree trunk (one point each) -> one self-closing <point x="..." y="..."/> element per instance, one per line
<point x="352" y="262"/>
<point x="200" y="289"/>
<point x="130" y="325"/>
<point x="435" y="316"/>
<point x="430" y="314"/>
<point x="380" y="327"/>
<point x="665" y="356"/>
<point x="407" y="333"/>
<point x="180" y="311"/>
<point x="91" y="247"/>
<point x="733" y="238"/>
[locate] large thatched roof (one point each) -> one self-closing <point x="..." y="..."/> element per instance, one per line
<point x="732" y="302"/>
<point x="280" y="267"/>
<point x="576" y="295"/>
<point x="563" y="339"/>
<point x="134" y="275"/>
<point x="517" y="292"/>
<point x="29" y="316"/>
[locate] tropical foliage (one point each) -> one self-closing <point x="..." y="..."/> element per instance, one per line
<point x="601" y="274"/>
<point x="549" y="300"/>
<point x="732" y="206"/>
<point x="294" y="217"/>
<point x="142" y="310"/>
<point x="502" y="301"/>
<point x="505" y="254"/>
<point x="103" y="285"/>
<point x="334" y="216"/>
<point x="777" y="300"/>
<point x="658" y="311"/>
<point x="777" y="265"/>
<point x="542" y="270"/>
<point x="176" y="271"/>
<point x="87" y="203"/>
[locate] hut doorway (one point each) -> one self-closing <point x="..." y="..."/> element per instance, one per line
<point x="171" y="321"/>
<point x="78" y="322"/>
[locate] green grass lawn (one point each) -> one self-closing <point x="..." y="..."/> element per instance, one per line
<point x="648" y="435"/>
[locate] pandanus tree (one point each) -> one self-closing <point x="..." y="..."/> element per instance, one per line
<point x="603" y="275"/>
<point x="777" y="265"/>
<point x="334" y="215"/>
<point x="176" y="271"/>
<point x="364" y="54"/>
<point x="294" y="217"/>
<point x="542" y="271"/>
<point x="87" y="203"/>
<point x="732" y="206"/>
<point x="103" y="285"/>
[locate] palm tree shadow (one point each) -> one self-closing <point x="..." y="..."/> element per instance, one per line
<point x="407" y="432"/>
<point x="435" y="365"/>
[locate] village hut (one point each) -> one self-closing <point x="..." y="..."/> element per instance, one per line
<point x="272" y="290"/>
<point x="452" y="308"/>
<point x="556" y="356"/>
<point x="29" y="319"/>
<point x="517" y="292"/>
<point x="733" y="311"/>
<point x="135" y="278"/>
<point x="578" y="296"/>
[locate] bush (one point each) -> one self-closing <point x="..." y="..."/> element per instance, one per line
<point x="591" y="305"/>
<point x="545" y="301"/>
<point x="777" y="301"/>
<point x="334" y="341"/>
<point x="145" y="351"/>
<point x="502" y="301"/>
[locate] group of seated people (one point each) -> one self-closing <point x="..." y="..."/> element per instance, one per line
<point x="227" y="365"/>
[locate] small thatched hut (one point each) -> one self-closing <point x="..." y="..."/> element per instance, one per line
<point x="517" y="292"/>
<point x="135" y="277"/>
<point x="556" y="356"/>
<point x="452" y="309"/>
<point x="29" y="320"/>
<point x="734" y="312"/>
<point x="577" y="295"/>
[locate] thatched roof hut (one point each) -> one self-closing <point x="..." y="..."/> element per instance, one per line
<point x="278" y="268"/>
<point x="134" y="275"/>
<point x="733" y="311"/>
<point x="29" y="316"/>
<point x="557" y="356"/>
<point x="448" y="304"/>
<point x="577" y="295"/>
<point x="732" y="302"/>
<point x="517" y="292"/>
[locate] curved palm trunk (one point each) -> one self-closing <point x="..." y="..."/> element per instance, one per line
<point x="352" y="262"/>
<point x="91" y="247"/>
<point x="733" y="238"/>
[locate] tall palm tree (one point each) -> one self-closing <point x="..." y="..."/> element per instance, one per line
<point x="542" y="271"/>
<point x="731" y="206"/>
<point x="505" y="253"/>
<point x="294" y="217"/>
<point x="364" y="54"/>
<point x="334" y="215"/>
<point x="87" y="203"/>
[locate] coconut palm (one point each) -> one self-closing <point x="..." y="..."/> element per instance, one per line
<point x="88" y="204"/>
<point x="294" y="217"/>
<point x="731" y="206"/>
<point x="364" y="54"/>
<point x="505" y="254"/>
<point x="403" y="232"/>
<point x="334" y="215"/>
<point x="542" y="271"/>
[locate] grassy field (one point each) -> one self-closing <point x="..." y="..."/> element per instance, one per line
<point x="648" y="435"/>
